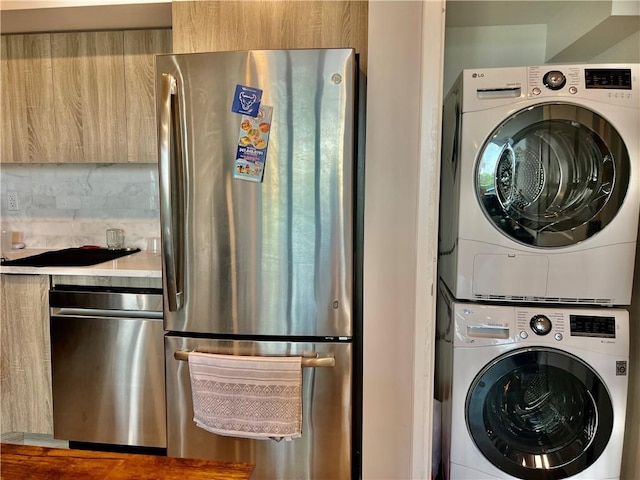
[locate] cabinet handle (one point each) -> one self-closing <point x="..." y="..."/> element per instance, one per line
<point x="170" y="148"/>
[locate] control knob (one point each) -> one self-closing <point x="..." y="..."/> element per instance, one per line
<point x="554" y="80"/>
<point x="540" y="324"/>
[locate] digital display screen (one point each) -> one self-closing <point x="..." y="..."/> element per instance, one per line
<point x="592" y="326"/>
<point x="608" y="78"/>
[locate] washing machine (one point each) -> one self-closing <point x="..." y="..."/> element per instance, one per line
<point x="531" y="392"/>
<point x="540" y="184"/>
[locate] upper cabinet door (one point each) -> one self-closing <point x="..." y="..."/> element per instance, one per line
<point x="226" y="25"/>
<point x="26" y="96"/>
<point x="140" y="48"/>
<point x="89" y="96"/>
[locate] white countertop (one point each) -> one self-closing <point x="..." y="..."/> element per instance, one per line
<point x="140" y="264"/>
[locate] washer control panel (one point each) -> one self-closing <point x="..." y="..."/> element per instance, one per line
<point x="550" y="324"/>
<point x="540" y="324"/>
<point x="598" y="328"/>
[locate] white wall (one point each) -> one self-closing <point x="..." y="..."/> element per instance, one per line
<point x="401" y="205"/>
<point x="626" y="51"/>
<point x="494" y="46"/>
<point x="515" y="45"/>
<point x="393" y="120"/>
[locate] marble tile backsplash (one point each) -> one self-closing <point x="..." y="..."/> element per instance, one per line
<point x="70" y="205"/>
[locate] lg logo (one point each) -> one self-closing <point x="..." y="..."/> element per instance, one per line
<point x="477" y="75"/>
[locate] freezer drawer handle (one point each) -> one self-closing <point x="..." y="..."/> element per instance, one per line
<point x="307" y="361"/>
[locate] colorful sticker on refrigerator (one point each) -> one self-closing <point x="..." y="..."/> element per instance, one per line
<point x="253" y="140"/>
<point x="246" y="100"/>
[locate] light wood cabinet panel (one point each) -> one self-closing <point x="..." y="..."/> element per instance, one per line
<point x="89" y="96"/>
<point x="25" y="354"/>
<point x="140" y="47"/>
<point x="26" y="96"/>
<point x="200" y="26"/>
<point x="81" y="96"/>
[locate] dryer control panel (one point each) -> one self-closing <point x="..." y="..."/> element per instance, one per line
<point x="612" y="83"/>
<point x="609" y="83"/>
<point x="608" y="78"/>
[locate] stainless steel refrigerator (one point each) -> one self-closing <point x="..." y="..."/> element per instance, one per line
<point x="261" y="212"/>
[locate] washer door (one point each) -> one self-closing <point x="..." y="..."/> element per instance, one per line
<point x="539" y="414"/>
<point x="552" y="175"/>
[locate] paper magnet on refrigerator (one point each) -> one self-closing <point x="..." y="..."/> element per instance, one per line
<point x="253" y="141"/>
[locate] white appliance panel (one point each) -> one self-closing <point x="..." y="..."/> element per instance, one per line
<point x="477" y="260"/>
<point x="473" y="335"/>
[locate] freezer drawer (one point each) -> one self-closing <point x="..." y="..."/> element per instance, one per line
<point x="323" y="451"/>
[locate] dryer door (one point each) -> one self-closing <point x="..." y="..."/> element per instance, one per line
<point x="552" y="175"/>
<point x="539" y="413"/>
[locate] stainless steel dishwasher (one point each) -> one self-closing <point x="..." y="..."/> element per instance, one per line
<point x="107" y="362"/>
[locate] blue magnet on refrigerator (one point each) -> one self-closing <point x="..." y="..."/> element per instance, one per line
<point x="246" y="100"/>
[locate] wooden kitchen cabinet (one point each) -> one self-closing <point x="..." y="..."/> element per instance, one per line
<point x="140" y="46"/>
<point x="89" y="96"/>
<point x="25" y="354"/>
<point x="26" y="96"/>
<point x="80" y="97"/>
<point x="25" y="347"/>
<point x="220" y="25"/>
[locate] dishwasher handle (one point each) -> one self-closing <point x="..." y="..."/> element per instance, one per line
<point x="93" y="313"/>
<point x="109" y="300"/>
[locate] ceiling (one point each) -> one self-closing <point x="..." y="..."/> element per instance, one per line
<point x="60" y="16"/>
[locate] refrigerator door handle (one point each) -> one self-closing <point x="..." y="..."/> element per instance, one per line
<point x="170" y="148"/>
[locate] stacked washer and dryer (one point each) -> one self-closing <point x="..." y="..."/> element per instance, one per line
<point x="540" y="196"/>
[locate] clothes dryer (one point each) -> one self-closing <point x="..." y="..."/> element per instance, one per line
<point x="529" y="392"/>
<point x="540" y="184"/>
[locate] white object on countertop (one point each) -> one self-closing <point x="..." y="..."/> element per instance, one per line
<point x="115" y="238"/>
<point x="153" y="245"/>
<point x="11" y="241"/>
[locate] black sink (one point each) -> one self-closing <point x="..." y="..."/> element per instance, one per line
<point x="70" y="257"/>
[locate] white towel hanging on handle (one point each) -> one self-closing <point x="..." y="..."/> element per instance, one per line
<point x="247" y="396"/>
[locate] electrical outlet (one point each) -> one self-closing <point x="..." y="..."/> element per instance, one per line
<point x="12" y="201"/>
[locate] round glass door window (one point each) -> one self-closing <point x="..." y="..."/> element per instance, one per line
<point x="552" y="175"/>
<point x="539" y="414"/>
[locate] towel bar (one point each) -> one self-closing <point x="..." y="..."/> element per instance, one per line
<point x="307" y="362"/>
